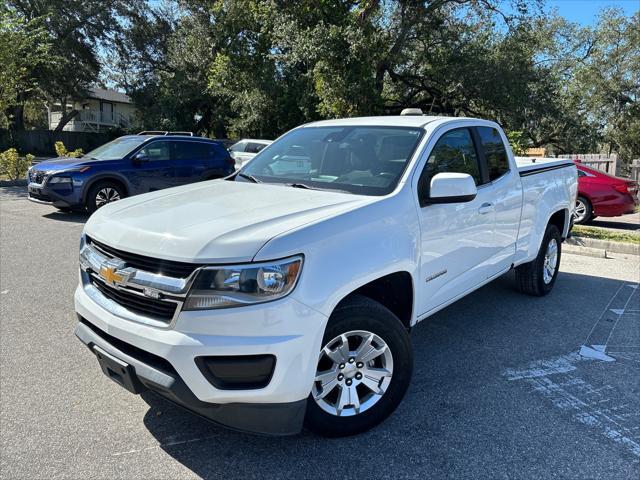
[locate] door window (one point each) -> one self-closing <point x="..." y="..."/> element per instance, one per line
<point x="454" y="152"/>
<point x="494" y="152"/>
<point x="157" y="151"/>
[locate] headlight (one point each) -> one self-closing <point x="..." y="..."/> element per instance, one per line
<point x="220" y="287"/>
<point x="60" y="180"/>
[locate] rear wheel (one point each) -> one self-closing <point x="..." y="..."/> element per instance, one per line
<point x="583" y="212"/>
<point x="363" y="372"/>
<point x="538" y="276"/>
<point x="103" y="193"/>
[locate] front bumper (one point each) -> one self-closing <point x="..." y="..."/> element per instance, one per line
<point x="63" y="196"/>
<point x="264" y="418"/>
<point x="286" y="329"/>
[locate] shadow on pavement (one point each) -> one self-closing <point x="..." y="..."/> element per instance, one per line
<point x="74" y="217"/>
<point x="631" y="226"/>
<point x="460" y="419"/>
<point x="13" y="193"/>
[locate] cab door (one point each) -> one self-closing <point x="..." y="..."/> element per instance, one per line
<point x="457" y="239"/>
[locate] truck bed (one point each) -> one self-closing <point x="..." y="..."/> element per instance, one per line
<point x="530" y="165"/>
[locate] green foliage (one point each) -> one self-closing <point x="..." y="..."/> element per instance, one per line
<point x="517" y="142"/>
<point x="24" y="48"/>
<point x="249" y="68"/>
<point x="62" y="151"/>
<point x="13" y="165"/>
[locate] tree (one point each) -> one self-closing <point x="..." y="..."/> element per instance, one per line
<point x="24" y="48"/>
<point x="77" y="29"/>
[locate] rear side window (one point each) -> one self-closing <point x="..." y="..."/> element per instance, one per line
<point x="494" y="151"/>
<point x="237" y="147"/>
<point x="191" y="150"/>
<point x="454" y="152"/>
<point x="157" y="150"/>
<point x="254" y="147"/>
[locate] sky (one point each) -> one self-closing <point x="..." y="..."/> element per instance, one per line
<point x="585" y="12"/>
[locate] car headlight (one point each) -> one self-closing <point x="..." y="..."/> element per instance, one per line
<point x="60" y="180"/>
<point x="234" y="286"/>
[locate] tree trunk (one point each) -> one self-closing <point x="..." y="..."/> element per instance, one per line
<point x="15" y="116"/>
<point x="66" y="118"/>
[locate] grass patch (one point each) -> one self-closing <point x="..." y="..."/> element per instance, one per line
<point x="604" y="234"/>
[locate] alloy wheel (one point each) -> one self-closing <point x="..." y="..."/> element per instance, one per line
<point x="550" y="261"/>
<point x="580" y="212"/>
<point x="106" y="195"/>
<point x="354" y="372"/>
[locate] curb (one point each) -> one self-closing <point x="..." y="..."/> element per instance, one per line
<point x="584" y="251"/>
<point x="604" y="245"/>
<point x="13" y="183"/>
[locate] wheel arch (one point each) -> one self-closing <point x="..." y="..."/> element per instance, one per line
<point x="394" y="291"/>
<point x="561" y="219"/>
<point x="106" y="177"/>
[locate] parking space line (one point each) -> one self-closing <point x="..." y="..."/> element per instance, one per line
<point x="163" y="445"/>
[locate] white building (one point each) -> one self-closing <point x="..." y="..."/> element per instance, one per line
<point x="102" y="109"/>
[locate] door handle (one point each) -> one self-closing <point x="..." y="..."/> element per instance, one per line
<point x="486" y="208"/>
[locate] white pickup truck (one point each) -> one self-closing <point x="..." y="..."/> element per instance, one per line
<point x="284" y="295"/>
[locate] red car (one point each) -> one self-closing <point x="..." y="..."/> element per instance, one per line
<point x="603" y="195"/>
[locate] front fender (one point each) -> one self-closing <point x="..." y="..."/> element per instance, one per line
<point x="351" y="249"/>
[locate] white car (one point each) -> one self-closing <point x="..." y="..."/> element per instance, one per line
<point x="246" y="149"/>
<point x="284" y="295"/>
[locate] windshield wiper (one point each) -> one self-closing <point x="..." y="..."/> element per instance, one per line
<point x="309" y="187"/>
<point x="249" y="177"/>
<point x="301" y="185"/>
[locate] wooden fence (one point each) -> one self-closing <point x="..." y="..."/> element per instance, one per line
<point x="635" y="170"/>
<point x="41" y="142"/>
<point x="602" y="162"/>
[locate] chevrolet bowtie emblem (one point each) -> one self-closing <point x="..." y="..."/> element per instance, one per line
<point x="110" y="275"/>
<point x="112" y="272"/>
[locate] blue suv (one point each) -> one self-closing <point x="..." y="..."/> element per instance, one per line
<point x="127" y="166"/>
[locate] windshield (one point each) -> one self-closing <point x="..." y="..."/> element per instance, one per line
<point x="356" y="159"/>
<point x="116" y="149"/>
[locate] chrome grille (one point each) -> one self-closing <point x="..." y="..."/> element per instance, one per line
<point x="36" y="176"/>
<point x="148" y="264"/>
<point x="145" y="306"/>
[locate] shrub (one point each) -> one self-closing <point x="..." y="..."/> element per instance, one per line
<point x="13" y="165"/>
<point x="62" y="151"/>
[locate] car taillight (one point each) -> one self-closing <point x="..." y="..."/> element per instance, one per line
<point x="621" y="187"/>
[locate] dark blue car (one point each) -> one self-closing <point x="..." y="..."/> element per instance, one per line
<point x="127" y="166"/>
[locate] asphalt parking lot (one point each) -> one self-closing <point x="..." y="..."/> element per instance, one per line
<point x="499" y="389"/>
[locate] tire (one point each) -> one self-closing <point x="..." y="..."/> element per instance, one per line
<point x="360" y="319"/>
<point x="535" y="277"/>
<point x="583" y="205"/>
<point x="102" y="193"/>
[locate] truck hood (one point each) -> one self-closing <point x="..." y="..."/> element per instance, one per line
<point x="212" y="222"/>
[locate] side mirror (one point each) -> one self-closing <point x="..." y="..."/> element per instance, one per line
<point x="452" y="188"/>
<point x="139" y="158"/>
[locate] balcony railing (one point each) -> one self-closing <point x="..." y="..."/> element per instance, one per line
<point x="94" y="117"/>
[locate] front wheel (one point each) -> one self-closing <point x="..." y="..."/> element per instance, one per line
<point x="538" y="276"/>
<point x="103" y="193"/>
<point x="363" y="372"/>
